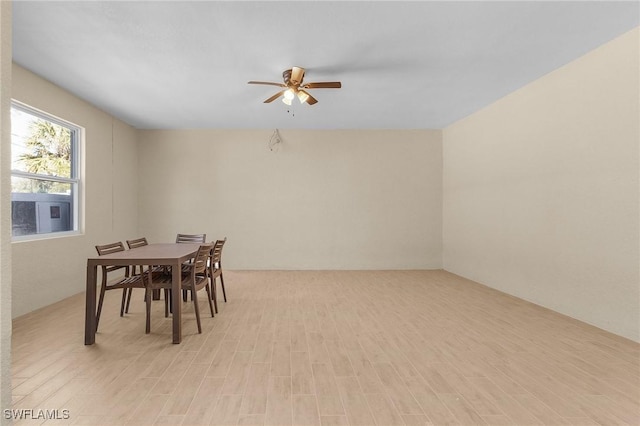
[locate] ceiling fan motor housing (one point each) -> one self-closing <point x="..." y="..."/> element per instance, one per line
<point x="286" y="76"/>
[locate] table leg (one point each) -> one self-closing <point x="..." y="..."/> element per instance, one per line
<point x="176" y="302"/>
<point x="90" y="306"/>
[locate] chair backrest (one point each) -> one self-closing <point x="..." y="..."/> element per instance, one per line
<point x="216" y="254"/>
<point x="191" y="238"/>
<point x="110" y="248"/>
<point x="137" y="243"/>
<point x="200" y="261"/>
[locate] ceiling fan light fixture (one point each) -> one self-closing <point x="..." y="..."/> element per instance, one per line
<point x="289" y="95"/>
<point x="302" y="96"/>
<point x="286" y="100"/>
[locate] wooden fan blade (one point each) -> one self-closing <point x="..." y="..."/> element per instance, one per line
<point x="297" y="74"/>
<point x="274" y="97"/>
<point x="304" y="96"/>
<point x="311" y="100"/>
<point x="323" y="85"/>
<point x="268" y="83"/>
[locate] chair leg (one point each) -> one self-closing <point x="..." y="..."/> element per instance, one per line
<point x="147" y="296"/>
<point x="214" y="294"/>
<point x="207" y="287"/>
<point x="124" y="300"/>
<point x="129" y="293"/>
<point x="184" y="295"/>
<point x="197" y="309"/>
<point x="223" y="292"/>
<point x="102" y="290"/>
<point x="166" y="303"/>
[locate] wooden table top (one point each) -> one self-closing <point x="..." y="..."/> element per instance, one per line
<point x="152" y="254"/>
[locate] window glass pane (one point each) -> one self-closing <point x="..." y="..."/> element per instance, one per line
<point x="40" y="206"/>
<point x="39" y="146"/>
<point x="26" y="185"/>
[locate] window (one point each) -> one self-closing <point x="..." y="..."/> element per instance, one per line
<point x="44" y="173"/>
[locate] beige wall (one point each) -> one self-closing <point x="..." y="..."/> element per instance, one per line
<point x="541" y="191"/>
<point x="351" y="199"/>
<point x="45" y="271"/>
<point x="5" y="207"/>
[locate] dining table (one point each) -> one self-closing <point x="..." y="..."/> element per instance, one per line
<point x="171" y="254"/>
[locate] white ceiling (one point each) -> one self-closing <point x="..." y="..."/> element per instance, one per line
<point x="162" y="65"/>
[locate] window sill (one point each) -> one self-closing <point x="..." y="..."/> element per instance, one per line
<point x="49" y="236"/>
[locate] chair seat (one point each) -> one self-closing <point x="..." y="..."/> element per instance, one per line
<point x="165" y="281"/>
<point x="134" y="281"/>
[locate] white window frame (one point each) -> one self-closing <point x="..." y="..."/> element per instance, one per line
<point x="77" y="141"/>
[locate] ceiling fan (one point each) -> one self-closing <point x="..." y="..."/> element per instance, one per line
<point x="293" y="87"/>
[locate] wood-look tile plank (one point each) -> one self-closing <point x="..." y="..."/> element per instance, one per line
<point x="299" y="338"/>
<point x="460" y="408"/>
<point x="279" y="402"/>
<point x="301" y="374"/>
<point x="227" y="410"/>
<point x="416" y="420"/>
<point x="185" y="390"/>
<point x="504" y="402"/>
<point x="167" y="382"/>
<point x="339" y="358"/>
<point x="499" y="420"/>
<point x="540" y="410"/>
<point x="334" y="421"/>
<point x="221" y="363"/>
<point x="305" y="410"/>
<point x="365" y="372"/>
<point x="148" y="410"/>
<point x="580" y="421"/>
<point x="317" y="350"/>
<point x="255" y="396"/>
<point x="90" y="420"/>
<point x="397" y="389"/>
<point x="354" y="402"/>
<point x="170" y="421"/>
<point x="204" y="402"/>
<point x="281" y="360"/>
<point x="209" y="348"/>
<point x="263" y="348"/>
<point x="383" y="410"/>
<point x="434" y="409"/>
<point x="597" y="407"/>
<point x="251" y="420"/>
<point x="126" y="402"/>
<point x="326" y="390"/>
<point x="238" y="374"/>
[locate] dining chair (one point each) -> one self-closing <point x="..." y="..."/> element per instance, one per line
<point x="216" y="268"/>
<point x="136" y="243"/>
<point x="132" y="244"/>
<point x="191" y="238"/>
<point x="128" y="282"/>
<point x="195" y="279"/>
<point x="140" y="242"/>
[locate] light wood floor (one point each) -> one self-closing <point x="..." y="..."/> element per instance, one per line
<point x="329" y="348"/>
